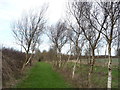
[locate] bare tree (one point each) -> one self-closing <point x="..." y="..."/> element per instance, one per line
<point x="78" y="42"/>
<point x="75" y="33"/>
<point x="87" y="16"/>
<point x="75" y="10"/>
<point x="112" y="10"/>
<point x="28" y="30"/>
<point x="58" y="36"/>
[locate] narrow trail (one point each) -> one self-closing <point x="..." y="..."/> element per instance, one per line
<point x="43" y="76"/>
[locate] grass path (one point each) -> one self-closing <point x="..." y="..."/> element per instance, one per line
<point x="43" y="76"/>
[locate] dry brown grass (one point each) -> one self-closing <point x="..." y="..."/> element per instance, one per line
<point x="12" y="61"/>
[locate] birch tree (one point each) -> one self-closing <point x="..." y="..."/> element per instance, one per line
<point x="76" y="33"/>
<point x="112" y="9"/>
<point x="78" y="43"/>
<point x="58" y="36"/>
<point x="27" y="30"/>
<point x="87" y="16"/>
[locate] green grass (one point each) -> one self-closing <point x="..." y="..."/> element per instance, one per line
<point x="43" y="76"/>
<point x="99" y="76"/>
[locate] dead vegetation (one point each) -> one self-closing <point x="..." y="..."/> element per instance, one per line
<point x="12" y="62"/>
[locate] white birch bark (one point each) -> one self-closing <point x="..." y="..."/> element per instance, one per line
<point x="73" y="73"/>
<point x="74" y="67"/>
<point x="109" y="83"/>
<point x="60" y="61"/>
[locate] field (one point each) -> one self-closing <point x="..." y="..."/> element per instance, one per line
<point x="101" y="61"/>
<point x="99" y="76"/>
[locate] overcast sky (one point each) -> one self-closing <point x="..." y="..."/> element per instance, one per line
<point x="12" y="9"/>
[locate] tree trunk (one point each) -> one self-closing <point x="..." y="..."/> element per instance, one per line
<point x="60" y="61"/>
<point x="109" y="83"/>
<point x="26" y="59"/>
<point x="29" y="60"/>
<point x="56" y="61"/>
<point x="93" y="61"/>
<point x="73" y="72"/>
<point x="89" y="55"/>
<point x="74" y="67"/>
<point x="91" y="69"/>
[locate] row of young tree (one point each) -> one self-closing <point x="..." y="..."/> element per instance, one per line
<point x="85" y="26"/>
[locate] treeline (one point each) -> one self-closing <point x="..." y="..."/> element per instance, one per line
<point x="51" y="55"/>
